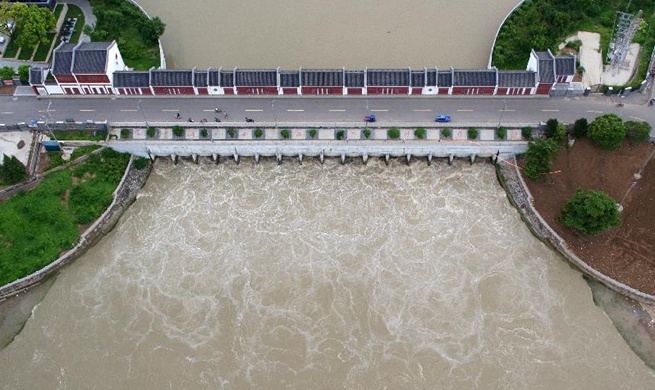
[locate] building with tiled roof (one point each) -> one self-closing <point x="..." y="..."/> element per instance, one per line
<point x="132" y="83"/>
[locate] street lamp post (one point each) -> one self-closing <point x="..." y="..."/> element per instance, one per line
<point x="143" y="113"/>
<point x="502" y="112"/>
<point x="274" y="112"/>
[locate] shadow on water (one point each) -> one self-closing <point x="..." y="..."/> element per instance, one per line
<point x="16" y="310"/>
<point x="634" y="323"/>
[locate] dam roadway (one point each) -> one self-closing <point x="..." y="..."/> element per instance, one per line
<point x="489" y="111"/>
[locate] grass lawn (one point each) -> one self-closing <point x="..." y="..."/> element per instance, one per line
<point x="11" y="50"/>
<point x="42" y="50"/>
<point x="75" y="12"/>
<point x="58" y="9"/>
<point x="37" y="226"/>
<point x="26" y="53"/>
<point x="56" y="160"/>
<point x="80" y="135"/>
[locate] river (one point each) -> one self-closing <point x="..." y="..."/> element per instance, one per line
<point x="320" y="277"/>
<point x="328" y="34"/>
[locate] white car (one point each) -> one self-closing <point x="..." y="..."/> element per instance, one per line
<point x="2" y="40"/>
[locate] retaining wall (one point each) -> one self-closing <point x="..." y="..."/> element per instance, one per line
<point x="521" y="198"/>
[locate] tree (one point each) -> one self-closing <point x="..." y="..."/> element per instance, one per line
<point x="539" y="157"/>
<point x="419" y="133"/>
<point x="178" y="131"/>
<point x="153" y="29"/>
<point x="607" y="131"/>
<point x="526" y="132"/>
<point x="6" y="72"/>
<point x="32" y="24"/>
<point x="638" y="131"/>
<point x="560" y="133"/>
<point x="24" y="73"/>
<point x="590" y="212"/>
<point x="394" y="133"/>
<point x="501" y="132"/>
<point x="580" y="128"/>
<point x="5" y="16"/>
<point x="12" y="171"/>
<point x="472" y="133"/>
<point x="551" y="127"/>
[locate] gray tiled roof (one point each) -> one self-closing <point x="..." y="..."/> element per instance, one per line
<point x="91" y="58"/>
<point x="171" y="78"/>
<point x="445" y="79"/>
<point x="516" y="79"/>
<point x="355" y="78"/>
<point x="213" y="77"/>
<point x="322" y="77"/>
<point x="63" y="59"/>
<point x="36" y="76"/>
<point x="546" y="67"/>
<point x="387" y="77"/>
<point x="256" y="78"/>
<point x="200" y="78"/>
<point x="474" y="78"/>
<point x="418" y="78"/>
<point x="289" y="78"/>
<point x="131" y="79"/>
<point x="432" y="77"/>
<point x="565" y="65"/>
<point x="227" y="78"/>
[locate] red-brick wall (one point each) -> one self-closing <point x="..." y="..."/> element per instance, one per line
<point x="257" y="90"/>
<point x="443" y="91"/>
<point x="290" y="91"/>
<point x="388" y="90"/>
<point x="417" y="91"/>
<point x="544" y="89"/>
<point x="65" y="78"/>
<point x="134" y="91"/>
<point x="228" y="91"/>
<point x="92" y="79"/>
<point x="174" y="91"/>
<point x="473" y="90"/>
<point x="322" y="90"/>
<point x="202" y="91"/>
<point x="355" y="91"/>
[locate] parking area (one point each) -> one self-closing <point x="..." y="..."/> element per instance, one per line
<point x="4" y="39"/>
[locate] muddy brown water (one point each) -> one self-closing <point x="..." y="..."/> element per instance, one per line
<point x="320" y="277"/>
<point x="328" y="34"/>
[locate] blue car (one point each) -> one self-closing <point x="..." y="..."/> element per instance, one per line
<point x="443" y="118"/>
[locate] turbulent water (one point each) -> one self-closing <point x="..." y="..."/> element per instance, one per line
<point x="336" y="33"/>
<point x="320" y="277"/>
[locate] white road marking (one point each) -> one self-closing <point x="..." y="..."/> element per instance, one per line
<point x="639" y="119"/>
<point x="337" y="110"/>
<point x="422" y="110"/>
<point x="47" y="110"/>
<point x="253" y="110"/>
<point x="595" y="112"/>
<point x="128" y="110"/>
<point x="87" y="110"/>
<point x="550" y="110"/>
<point x="8" y="112"/>
<point x="464" y="110"/>
<point x="295" y="110"/>
<point x="170" y="110"/>
<point x="506" y="110"/>
<point x="209" y="110"/>
<point x="379" y="110"/>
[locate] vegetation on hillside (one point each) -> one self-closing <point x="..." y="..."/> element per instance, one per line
<point x="539" y="157"/>
<point x="607" y="131"/>
<point x="590" y="212"/>
<point x="12" y="171"/>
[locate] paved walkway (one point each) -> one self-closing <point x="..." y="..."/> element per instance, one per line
<point x="15" y="64"/>
<point x="89" y="17"/>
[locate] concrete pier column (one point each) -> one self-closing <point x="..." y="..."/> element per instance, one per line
<point x="386" y="159"/>
<point x="409" y="158"/>
<point x="472" y="158"/>
<point x="215" y="157"/>
<point x="365" y="157"/>
<point x="450" y="159"/>
<point x="195" y="158"/>
<point x="236" y="157"/>
<point x="300" y="158"/>
<point x="429" y="158"/>
<point x="278" y="157"/>
<point x="343" y="158"/>
<point x="256" y="158"/>
<point x="174" y="158"/>
<point x="322" y="157"/>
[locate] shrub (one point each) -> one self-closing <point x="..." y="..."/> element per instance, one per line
<point x="590" y="212"/>
<point x="231" y="133"/>
<point x="341" y="134"/>
<point x="551" y="127"/>
<point x="151" y="132"/>
<point x="526" y="133"/>
<point x="141" y="162"/>
<point x="24" y="73"/>
<point x="178" y="131"/>
<point x="501" y="132"/>
<point x="575" y="45"/>
<point x="367" y="133"/>
<point x="446" y="133"/>
<point x="560" y="133"/>
<point x="638" y="131"/>
<point x="419" y="133"/>
<point x="580" y="128"/>
<point x="473" y="133"/>
<point x="607" y="131"/>
<point x="285" y="134"/>
<point x="204" y="133"/>
<point x="12" y="171"/>
<point x="258" y="133"/>
<point x="539" y="157"/>
<point x="312" y="133"/>
<point x="125" y="133"/>
<point x="6" y="72"/>
<point x="394" y="133"/>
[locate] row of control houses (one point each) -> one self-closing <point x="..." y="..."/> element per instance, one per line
<point x="97" y="68"/>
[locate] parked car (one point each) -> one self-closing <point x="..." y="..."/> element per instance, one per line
<point x="442" y="118"/>
<point x="2" y="40"/>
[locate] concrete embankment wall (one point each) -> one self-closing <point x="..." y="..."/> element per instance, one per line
<point x="124" y="195"/>
<point x="521" y="198"/>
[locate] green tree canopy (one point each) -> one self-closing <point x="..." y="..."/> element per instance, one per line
<point x="638" y="131"/>
<point x="32" y="24"/>
<point x="540" y="155"/>
<point x="551" y="127"/>
<point x="24" y="73"/>
<point x="590" y="212"/>
<point x="607" y="131"/>
<point x="580" y="128"/>
<point x="12" y="171"/>
<point x="6" y="72"/>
